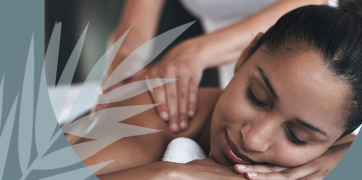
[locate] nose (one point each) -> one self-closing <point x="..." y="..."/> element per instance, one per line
<point x="258" y="135"/>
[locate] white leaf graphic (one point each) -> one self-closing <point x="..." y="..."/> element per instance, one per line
<point x="132" y="89"/>
<point x="105" y="129"/>
<point x="51" y="57"/>
<point x="26" y="111"/>
<point x="67" y="75"/>
<point x="45" y="120"/>
<point x="82" y="173"/>
<point x="103" y="126"/>
<point x="126" y="111"/>
<point x="129" y="66"/>
<point x="47" y="162"/>
<point x="6" y="136"/>
<point x="87" y="94"/>
<point x="1" y="100"/>
<point x="114" y="132"/>
<point x="97" y="167"/>
<point x="85" y="150"/>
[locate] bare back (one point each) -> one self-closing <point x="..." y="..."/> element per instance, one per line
<point x="144" y="149"/>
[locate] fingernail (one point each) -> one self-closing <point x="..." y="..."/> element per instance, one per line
<point x="164" y="115"/>
<point x="252" y="174"/>
<point x="240" y="166"/>
<point x="174" y="127"/>
<point x="191" y="113"/>
<point x="183" y="125"/>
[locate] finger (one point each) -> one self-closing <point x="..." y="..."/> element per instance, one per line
<point x="182" y="99"/>
<point x="289" y="174"/>
<point x="159" y="97"/>
<point x="243" y="169"/>
<point x="171" y="96"/>
<point x="266" y="176"/>
<point x="192" y="97"/>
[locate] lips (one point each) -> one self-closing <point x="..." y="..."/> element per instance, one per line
<point x="233" y="155"/>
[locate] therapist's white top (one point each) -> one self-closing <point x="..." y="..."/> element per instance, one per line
<point x="217" y="14"/>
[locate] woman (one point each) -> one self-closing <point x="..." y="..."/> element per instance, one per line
<point x="294" y="99"/>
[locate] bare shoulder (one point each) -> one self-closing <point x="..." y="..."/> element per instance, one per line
<point x="144" y="149"/>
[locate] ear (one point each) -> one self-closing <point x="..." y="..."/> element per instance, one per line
<point x="245" y="55"/>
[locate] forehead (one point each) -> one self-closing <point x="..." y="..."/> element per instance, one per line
<point x="305" y="86"/>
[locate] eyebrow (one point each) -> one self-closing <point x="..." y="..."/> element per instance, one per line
<point x="267" y="82"/>
<point x="311" y="127"/>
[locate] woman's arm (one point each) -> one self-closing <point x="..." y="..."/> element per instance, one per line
<point x="144" y="149"/>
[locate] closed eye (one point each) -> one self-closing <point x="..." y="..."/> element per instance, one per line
<point x="294" y="139"/>
<point x="253" y="99"/>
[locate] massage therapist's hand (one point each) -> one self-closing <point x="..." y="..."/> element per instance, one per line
<point x="316" y="169"/>
<point x="178" y="99"/>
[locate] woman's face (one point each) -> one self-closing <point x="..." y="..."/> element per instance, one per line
<point x="284" y="109"/>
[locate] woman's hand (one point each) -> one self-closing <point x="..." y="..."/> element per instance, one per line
<point x="202" y="169"/>
<point x="316" y="169"/>
<point x="178" y="99"/>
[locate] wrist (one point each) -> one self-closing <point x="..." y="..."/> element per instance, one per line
<point x="212" y="50"/>
<point x="134" y="39"/>
<point x="197" y="49"/>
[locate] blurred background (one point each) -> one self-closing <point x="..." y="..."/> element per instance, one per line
<point x="103" y="16"/>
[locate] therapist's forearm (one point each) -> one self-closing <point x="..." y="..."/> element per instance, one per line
<point x="143" y="15"/>
<point x="225" y="45"/>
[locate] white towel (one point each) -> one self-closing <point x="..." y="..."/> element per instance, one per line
<point x="183" y="150"/>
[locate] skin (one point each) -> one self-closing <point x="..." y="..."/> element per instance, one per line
<point x="299" y="80"/>
<point x="186" y="61"/>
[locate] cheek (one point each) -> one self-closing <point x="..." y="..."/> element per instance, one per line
<point x="226" y="116"/>
<point x="234" y="105"/>
<point x="231" y="112"/>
